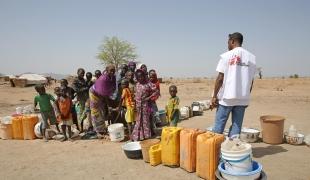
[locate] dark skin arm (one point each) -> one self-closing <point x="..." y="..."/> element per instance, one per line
<point x="57" y="105"/>
<point x="152" y="95"/>
<point x="76" y="88"/>
<point x="35" y="104"/>
<point x="251" y="85"/>
<point x="217" y="87"/>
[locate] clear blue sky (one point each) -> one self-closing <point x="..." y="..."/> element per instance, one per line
<point x="177" y="38"/>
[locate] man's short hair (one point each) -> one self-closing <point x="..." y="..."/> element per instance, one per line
<point x="237" y="37"/>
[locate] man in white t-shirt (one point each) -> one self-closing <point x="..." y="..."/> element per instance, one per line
<point x="233" y="85"/>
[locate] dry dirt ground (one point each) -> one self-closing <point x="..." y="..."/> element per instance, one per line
<point x="98" y="159"/>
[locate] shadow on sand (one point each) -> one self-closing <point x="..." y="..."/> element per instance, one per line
<point x="259" y="152"/>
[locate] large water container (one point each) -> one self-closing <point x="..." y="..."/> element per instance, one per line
<point x="170" y="146"/>
<point x="188" y="138"/>
<point x="29" y="123"/>
<point x="208" y="152"/>
<point x="17" y="127"/>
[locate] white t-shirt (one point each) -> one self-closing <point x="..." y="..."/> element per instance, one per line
<point x="238" y="66"/>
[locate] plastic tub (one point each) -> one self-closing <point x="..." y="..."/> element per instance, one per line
<point x="252" y="175"/>
<point x="145" y="146"/>
<point x="272" y="129"/>
<point x="116" y="132"/>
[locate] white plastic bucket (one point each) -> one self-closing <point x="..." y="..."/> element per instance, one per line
<point x="116" y="132"/>
<point x="184" y="112"/>
<point x="237" y="161"/>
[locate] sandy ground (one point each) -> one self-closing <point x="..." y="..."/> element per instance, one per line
<point x="98" y="159"/>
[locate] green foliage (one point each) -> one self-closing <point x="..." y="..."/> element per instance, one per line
<point x="294" y="76"/>
<point x="116" y="51"/>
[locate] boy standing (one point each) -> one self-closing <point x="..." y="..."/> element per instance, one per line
<point x="172" y="108"/>
<point x="46" y="109"/>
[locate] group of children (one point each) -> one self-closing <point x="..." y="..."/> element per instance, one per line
<point x="140" y="91"/>
<point x="61" y="109"/>
<point x="136" y="92"/>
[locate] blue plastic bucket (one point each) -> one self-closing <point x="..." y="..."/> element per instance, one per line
<point x="254" y="174"/>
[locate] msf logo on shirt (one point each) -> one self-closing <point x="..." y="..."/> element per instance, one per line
<point x="236" y="60"/>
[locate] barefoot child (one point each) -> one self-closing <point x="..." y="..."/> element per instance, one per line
<point x="128" y="102"/>
<point x="46" y="109"/>
<point x="64" y="104"/>
<point x="172" y="107"/>
<point x="70" y="93"/>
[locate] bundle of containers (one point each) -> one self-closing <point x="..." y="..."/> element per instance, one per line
<point x="191" y="149"/>
<point x="199" y="151"/>
<point x="19" y="127"/>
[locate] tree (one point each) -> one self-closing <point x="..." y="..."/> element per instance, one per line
<point x="116" y="51"/>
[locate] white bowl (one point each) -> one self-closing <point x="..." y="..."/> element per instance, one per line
<point x="299" y="139"/>
<point x="249" y="135"/>
<point x="132" y="146"/>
